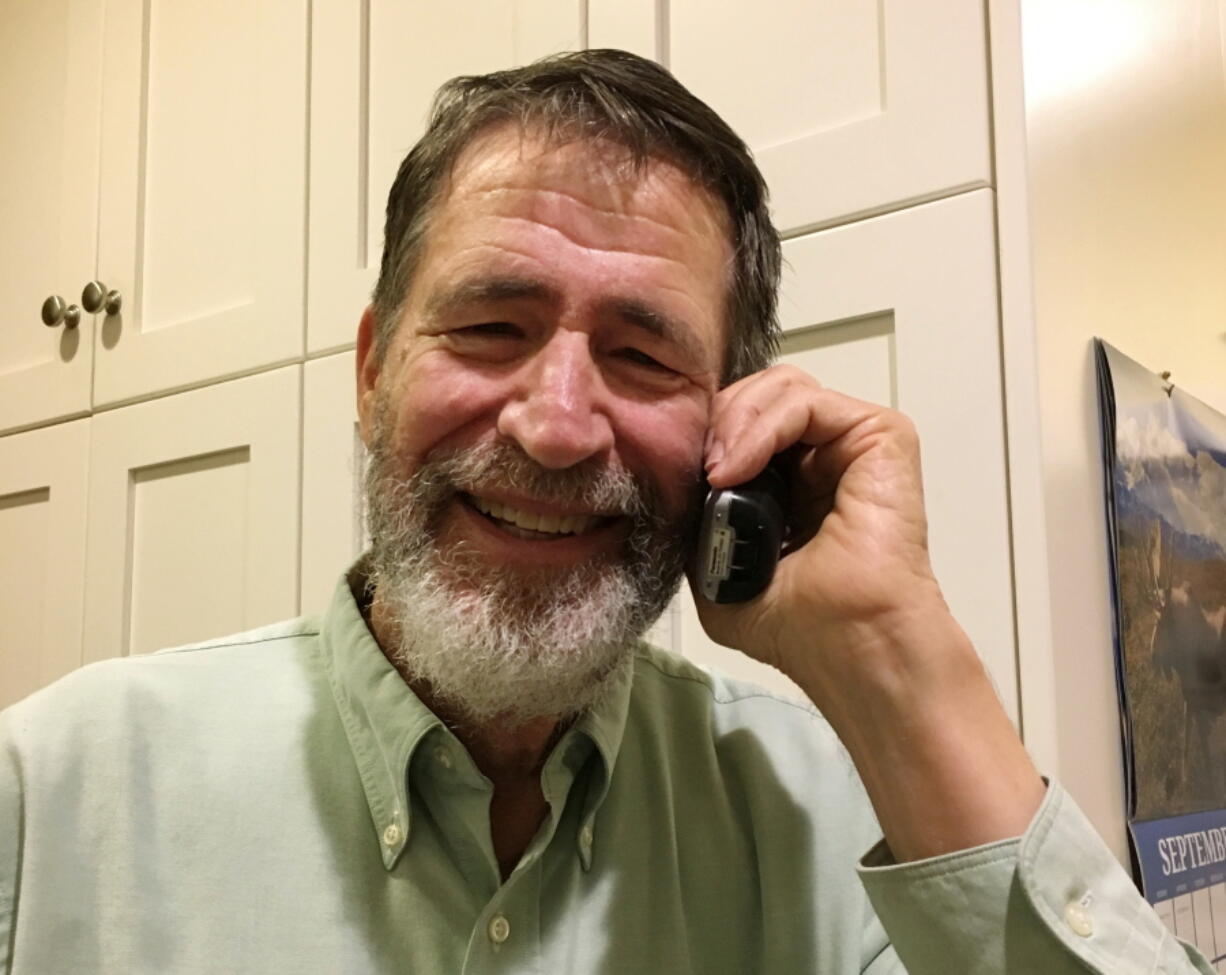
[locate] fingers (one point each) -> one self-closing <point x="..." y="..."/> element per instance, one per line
<point x="745" y="419"/>
<point x="770" y="411"/>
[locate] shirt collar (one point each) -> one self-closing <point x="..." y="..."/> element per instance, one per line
<point x="385" y="721"/>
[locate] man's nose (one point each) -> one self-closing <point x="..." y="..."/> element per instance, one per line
<point x="557" y="411"/>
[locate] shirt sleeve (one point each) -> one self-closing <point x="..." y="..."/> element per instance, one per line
<point x="10" y="843"/>
<point x="1054" y="900"/>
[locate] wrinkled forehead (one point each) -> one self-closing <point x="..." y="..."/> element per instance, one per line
<point x="608" y="178"/>
<point x="583" y="218"/>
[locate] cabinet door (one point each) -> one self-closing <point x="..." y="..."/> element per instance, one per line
<point x="850" y="106"/>
<point x="901" y="310"/>
<point x="375" y="67"/>
<point x="203" y="191"/>
<point x="42" y="555"/>
<point x="50" y="65"/>
<point x="333" y="464"/>
<point x="193" y="515"/>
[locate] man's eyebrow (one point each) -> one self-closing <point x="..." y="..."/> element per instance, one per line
<point x="655" y="322"/>
<point x="476" y="290"/>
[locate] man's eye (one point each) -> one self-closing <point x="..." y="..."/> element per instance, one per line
<point x="494" y="329"/>
<point x="638" y="357"/>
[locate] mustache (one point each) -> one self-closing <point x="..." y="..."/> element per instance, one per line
<point x="416" y="504"/>
<point x="598" y="486"/>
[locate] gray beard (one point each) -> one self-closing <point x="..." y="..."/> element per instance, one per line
<point x="507" y="642"/>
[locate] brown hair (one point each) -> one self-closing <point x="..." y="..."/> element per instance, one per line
<point x="616" y="97"/>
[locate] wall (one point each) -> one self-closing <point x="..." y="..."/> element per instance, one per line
<point x="1125" y="120"/>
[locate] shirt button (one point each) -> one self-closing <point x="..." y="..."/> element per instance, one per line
<point x="1079" y="920"/>
<point x="391" y="835"/>
<point x="499" y="929"/>
<point x="442" y="756"/>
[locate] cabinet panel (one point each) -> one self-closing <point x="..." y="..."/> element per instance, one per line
<point x="850" y="106"/>
<point x="333" y="464"/>
<point x="902" y="310"/>
<point x="203" y="184"/>
<point x="43" y="477"/>
<point x="49" y="119"/>
<point x="375" y="67"/>
<point x="193" y="513"/>
<point x="639" y="27"/>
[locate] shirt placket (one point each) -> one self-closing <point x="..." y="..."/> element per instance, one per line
<point x="507" y="934"/>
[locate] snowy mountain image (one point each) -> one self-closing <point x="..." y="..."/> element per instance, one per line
<point x="1167" y="489"/>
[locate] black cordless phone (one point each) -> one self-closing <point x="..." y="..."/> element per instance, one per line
<point x="742" y="534"/>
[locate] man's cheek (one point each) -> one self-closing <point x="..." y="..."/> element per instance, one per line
<point x="690" y="482"/>
<point x="676" y="501"/>
<point x="445" y="392"/>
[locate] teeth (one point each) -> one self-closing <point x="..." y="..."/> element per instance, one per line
<point x="547" y="524"/>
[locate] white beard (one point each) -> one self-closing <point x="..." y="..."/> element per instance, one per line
<point x="494" y="641"/>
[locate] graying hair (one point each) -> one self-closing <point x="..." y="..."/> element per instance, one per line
<point x="614" y="97"/>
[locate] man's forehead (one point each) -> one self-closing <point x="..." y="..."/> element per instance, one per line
<point x="510" y="191"/>
<point x="598" y="172"/>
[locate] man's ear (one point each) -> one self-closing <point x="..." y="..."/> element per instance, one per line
<point x="368" y="366"/>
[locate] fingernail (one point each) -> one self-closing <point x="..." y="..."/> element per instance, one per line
<point x="715" y="454"/>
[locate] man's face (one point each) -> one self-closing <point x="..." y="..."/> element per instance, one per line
<point x="566" y="315"/>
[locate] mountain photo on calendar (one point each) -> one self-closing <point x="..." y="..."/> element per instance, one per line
<point x="1169" y="486"/>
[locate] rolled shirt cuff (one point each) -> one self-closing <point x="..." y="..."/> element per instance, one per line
<point x="1053" y="900"/>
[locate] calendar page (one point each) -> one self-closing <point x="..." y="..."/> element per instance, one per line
<point x="1164" y="455"/>
<point x="1183" y="869"/>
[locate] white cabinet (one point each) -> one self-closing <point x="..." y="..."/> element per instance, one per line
<point x="193" y="515"/>
<point x="333" y="464"/>
<point x="850" y="106"/>
<point x="202" y="200"/>
<point x="160" y="149"/>
<point x="375" y="67"/>
<point x="875" y="310"/>
<point x="43" y="481"/>
<point x="50" y="67"/>
<point x="157" y="524"/>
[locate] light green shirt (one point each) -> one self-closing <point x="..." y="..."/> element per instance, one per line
<point x="280" y="802"/>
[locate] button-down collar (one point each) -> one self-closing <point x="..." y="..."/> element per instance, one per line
<point x="385" y="723"/>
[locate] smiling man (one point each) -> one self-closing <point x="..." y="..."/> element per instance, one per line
<point x="471" y="762"/>
<point x="549" y="375"/>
